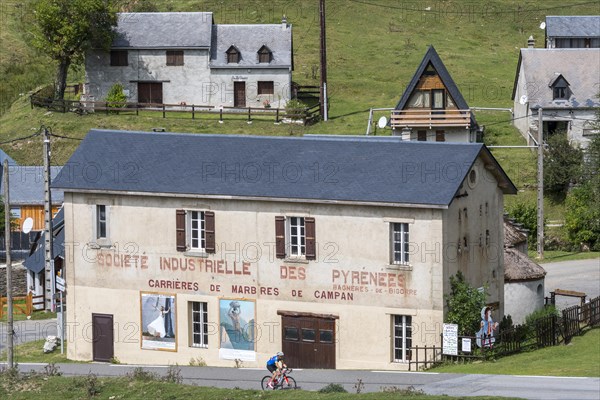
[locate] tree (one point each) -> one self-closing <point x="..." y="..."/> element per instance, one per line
<point x="526" y="215"/>
<point x="582" y="216"/>
<point x="562" y="165"/>
<point x="464" y="305"/>
<point x="66" y="29"/>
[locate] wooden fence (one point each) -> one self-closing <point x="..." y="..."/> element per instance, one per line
<point x="25" y="305"/>
<point x="547" y="331"/>
<point x="305" y="116"/>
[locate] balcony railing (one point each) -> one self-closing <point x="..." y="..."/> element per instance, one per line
<point x="430" y="118"/>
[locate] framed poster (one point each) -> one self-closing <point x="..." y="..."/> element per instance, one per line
<point x="159" y="321"/>
<point x="237" y="329"/>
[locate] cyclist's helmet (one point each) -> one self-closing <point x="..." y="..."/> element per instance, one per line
<point x="280" y="354"/>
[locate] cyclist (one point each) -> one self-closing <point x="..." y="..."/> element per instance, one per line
<point x="275" y="365"/>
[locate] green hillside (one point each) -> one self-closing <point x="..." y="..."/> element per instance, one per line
<point x="374" y="47"/>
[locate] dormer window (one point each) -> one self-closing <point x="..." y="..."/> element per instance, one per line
<point x="560" y="88"/>
<point x="233" y="55"/>
<point x="264" y="55"/>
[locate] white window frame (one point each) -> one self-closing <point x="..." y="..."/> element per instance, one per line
<point x="97" y="223"/>
<point x="399" y="257"/>
<point x="197" y="233"/>
<point x="401" y="337"/>
<point x="296" y="229"/>
<point x="199" y="338"/>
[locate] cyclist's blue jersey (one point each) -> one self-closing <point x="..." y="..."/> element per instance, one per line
<point x="272" y="360"/>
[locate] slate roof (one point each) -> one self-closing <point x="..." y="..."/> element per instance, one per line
<point x="580" y="67"/>
<point x="26" y="186"/>
<point x="248" y="39"/>
<point x="431" y="56"/>
<point x="36" y="260"/>
<point x="314" y="169"/>
<point x="578" y="26"/>
<point x="163" y="30"/>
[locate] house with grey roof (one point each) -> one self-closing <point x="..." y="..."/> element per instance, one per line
<point x="432" y="107"/>
<point x="573" y="31"/>
<point x="184" y="58"/>
<point x="299" y="240"/>
<point x="565" y="84"/>
<point x="26" y="194"/>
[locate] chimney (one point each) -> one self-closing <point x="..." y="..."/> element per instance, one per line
<point x="531" y="42"/>
<point x="284" y="24"/>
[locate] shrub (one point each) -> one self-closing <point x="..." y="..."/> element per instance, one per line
<point x="333" y="388"/>
<point x="582" y="216"/>
<point x="295" y="109"/>
<point x="562" y="165"/>
<point x="464" y="305"/>
<point x="173" y="375"/>
<point x="526" y="215"/>
<point x="116" y="97"/>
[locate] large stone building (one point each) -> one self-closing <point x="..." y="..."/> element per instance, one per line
<point x="336" y="250"/>
<point x="186" y="59"/>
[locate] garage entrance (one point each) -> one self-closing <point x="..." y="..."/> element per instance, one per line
<point x="308" y="340"/>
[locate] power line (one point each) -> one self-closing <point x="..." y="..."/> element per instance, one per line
<point x="492" y="11"/>
<point x="64" y="137"/>
<point x="22" y="138"/>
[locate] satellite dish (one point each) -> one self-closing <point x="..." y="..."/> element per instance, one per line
<point x="523" y="100"/>
<point x="27" y="225"/>
<point x="543" y="25"/>
<point x="382" y="122"/>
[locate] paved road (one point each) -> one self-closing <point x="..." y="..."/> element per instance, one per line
<point x="581" y="276"/>
<point x="571" y="275"/>
<point x="546" y="388"/>
<point x="27" y="331"/>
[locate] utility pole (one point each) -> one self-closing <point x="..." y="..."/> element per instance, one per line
<point x="540" y="191"/>
<point x="48" y="242"/>
<point x="323" y="88"/>
<point x="11" y="331"/>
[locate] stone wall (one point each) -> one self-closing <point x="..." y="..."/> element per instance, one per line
<point x="19" y="280"/>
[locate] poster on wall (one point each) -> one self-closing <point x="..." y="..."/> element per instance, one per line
<point x="158" y="321"/>
<point x="237" y="329"/>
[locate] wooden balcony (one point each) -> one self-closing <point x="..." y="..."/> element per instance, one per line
<point x="430" y="118"/>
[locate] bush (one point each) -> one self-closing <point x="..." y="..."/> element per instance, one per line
<point x="333" y="388"/>
<point x="562" y="165"/>
<point x="526" y="215"/>
<point x="116" y="97"/>
<point x="582" y="216"/>
<point x="295" y="109"/>
<point x="464" y="305"/>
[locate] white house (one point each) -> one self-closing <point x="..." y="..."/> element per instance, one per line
<point x="573" y="31"/>
<point x="432" y="107"/>
<point x="565" y="83"/>
<point x="336" y="250"/>
<point x="185" y="58"/>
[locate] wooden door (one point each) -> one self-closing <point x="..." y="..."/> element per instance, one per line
<point x="309" y="342"/>
<point x="102" y="337"/>
<point x="150" y="92"/>
<point x="239" y="94"/>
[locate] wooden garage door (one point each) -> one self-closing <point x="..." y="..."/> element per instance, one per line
<point x="103" y="337"/>
<point x="150" y="92"/>
<point x="309" y="342"/>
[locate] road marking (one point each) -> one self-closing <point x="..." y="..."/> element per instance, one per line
<point x="136" y="365"/>
<point x="551" y="377"/>
<point x="406" y="372"/>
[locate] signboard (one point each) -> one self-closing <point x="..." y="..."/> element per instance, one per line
<point x="450" y="339"/>
<point x="466" y="345"/>
<point x="60" y="284"/>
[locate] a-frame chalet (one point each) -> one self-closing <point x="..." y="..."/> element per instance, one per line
<point x="432" y="108"/>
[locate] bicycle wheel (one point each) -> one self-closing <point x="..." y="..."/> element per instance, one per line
<point x="291" y="384"/>
<point x="265" y="382"/>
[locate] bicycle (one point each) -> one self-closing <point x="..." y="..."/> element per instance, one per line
<point x="284" y="382"/>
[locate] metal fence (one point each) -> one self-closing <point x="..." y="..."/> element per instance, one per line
<point x="547" y="331"/>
